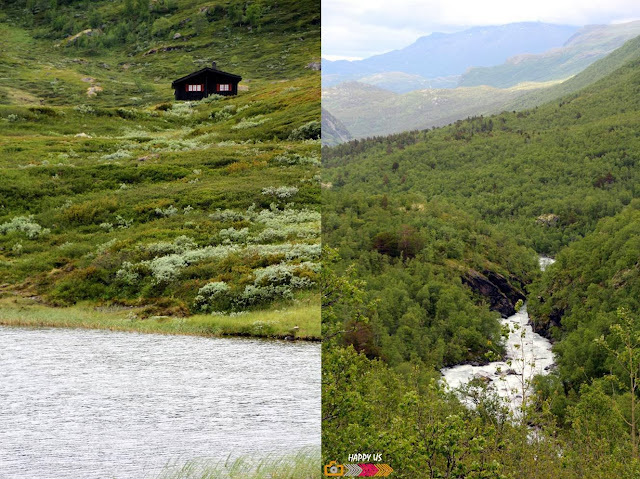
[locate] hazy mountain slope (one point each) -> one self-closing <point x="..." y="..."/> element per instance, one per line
<point x="333" y="131"/>
<point x="399" y="82"/>
<point x="596" y="71"/>
<point x="588" y="45"/>
<point x="368" y="111"/>
<point x="444" y="54"/>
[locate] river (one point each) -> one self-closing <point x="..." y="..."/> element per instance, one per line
<point x="99" y="404"/>
<point x="527" y="354"/>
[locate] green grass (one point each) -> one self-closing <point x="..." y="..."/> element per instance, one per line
<point x="39" y="64"/>
<point x="270" y="323"/>
<point x="130" y="199"/>
<point x="303" y="465"/>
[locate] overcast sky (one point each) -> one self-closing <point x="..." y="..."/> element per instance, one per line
<point x="353" y="29"/>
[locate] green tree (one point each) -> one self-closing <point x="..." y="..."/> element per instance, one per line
<point x="254" y="14"/>
<point x="161" y="27"/>
<point x="625" y="352"/>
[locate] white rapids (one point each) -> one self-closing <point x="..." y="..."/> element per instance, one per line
<point x="527" y="354"/>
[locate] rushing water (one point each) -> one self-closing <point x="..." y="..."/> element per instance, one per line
<point x="527" y="354"/>
<point x="98" y="404"/>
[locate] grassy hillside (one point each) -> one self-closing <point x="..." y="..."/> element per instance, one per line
<point x="129" y="200"/>
<point x="129" y="48"/>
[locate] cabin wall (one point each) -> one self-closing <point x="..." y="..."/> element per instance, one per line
<point x="210" y="80"/>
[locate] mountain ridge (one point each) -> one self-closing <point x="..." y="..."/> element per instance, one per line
<point x="489" y="46"/>
<point x="353" y="103"/>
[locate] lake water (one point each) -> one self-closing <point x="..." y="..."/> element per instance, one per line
<point x="527" y="354"/>
<point x="99" y="404"/>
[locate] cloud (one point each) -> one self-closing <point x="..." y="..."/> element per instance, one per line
<point x="361" y="28"/>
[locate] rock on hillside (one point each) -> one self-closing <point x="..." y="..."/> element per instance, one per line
<point x="333" y="131"/>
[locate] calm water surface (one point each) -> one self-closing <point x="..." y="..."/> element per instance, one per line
<point x="98" y="404"/>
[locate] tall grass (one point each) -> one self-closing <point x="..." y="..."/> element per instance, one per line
<point x="268" y="323"/>
<point x="303" y="465"/>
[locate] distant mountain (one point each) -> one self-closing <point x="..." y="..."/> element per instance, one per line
<point x="586" y="46"/>
<point x="399" y="82"/>
<point x="368" y="111"/>
<point x="628" y="52"/>
<point x="333" y="130"/>
<point x="448" y="54"/>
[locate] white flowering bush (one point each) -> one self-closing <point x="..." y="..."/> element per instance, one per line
<point x="180" y="109"/>
<point x="277" y="219"/>
<point x="232" y="235"/>
<point x="250" y="122"/>
<point x="226" y="215"/>
<point x="127" y="274"/>
<point x="17" y="248"/>
<point x="276" y="281"/>
<point x="269" y="235"/>
<point x="168" y="211"/>
<point x="165" y="269"/>
<point x="161" y="145"/>
<point x="25" y="225"/>
<point x="224" y="113"/>
<point x="117" y="155"/>
<point x="280" y="191"/>
<point x="84" y="109"/>
<point x="180" y="245"/>
<point x="308" y="131"/>
<point x="212" y="296"/>
<point x="210" y="99"/>
<point x="122" y="222"/>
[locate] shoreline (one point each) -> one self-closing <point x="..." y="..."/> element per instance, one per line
<point x="276" y="324"/>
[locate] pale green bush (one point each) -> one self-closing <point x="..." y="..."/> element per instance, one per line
<point x="280" y="191"/>
<point x="25" y="225"/>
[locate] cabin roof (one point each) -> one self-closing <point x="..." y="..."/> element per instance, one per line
<point x="208" y="70"/>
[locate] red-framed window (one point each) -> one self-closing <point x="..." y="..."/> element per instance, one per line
<point x="194" y="87"/>
<point x="223" y="87"/>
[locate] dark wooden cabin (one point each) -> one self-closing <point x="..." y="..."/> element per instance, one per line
<point x="205" y="82"/>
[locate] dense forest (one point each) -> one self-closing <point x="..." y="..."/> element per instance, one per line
<point x="431" y="235"/>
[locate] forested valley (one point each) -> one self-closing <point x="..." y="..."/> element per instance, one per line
<point x="431" y="236"/>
